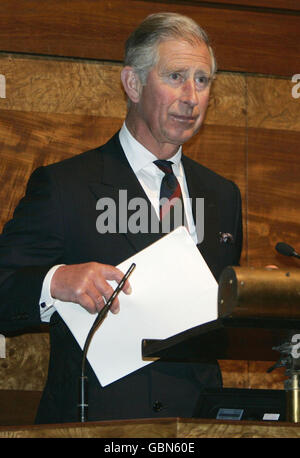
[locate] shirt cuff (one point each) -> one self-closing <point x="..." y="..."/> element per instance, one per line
<point x="46" y="300"/>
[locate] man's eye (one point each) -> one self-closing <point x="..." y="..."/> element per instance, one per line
<point x="175" y="76"/>
<point x="202" y="81"/>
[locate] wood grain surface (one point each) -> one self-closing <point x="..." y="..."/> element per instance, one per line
<point x="271" y="105"/>
<point x="160" y="428"/>
<point x="273" y="195"/>
<point x="253" y="41"/>
<point x="18" y="407"/>
<point x="257" y="4"/>
<point x="25" y="366"/>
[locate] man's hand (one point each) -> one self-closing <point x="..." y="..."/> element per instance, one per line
<point x="86" y="284"/>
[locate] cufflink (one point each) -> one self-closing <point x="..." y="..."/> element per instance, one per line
<point x="225" y="237"/>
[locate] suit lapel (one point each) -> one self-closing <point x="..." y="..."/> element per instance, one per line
<point x="119" y="183"/>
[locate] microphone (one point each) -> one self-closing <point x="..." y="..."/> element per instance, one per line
<point x="286" y="250"/>
<point x="83" y="380"/>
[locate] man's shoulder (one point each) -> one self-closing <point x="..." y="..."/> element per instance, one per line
<point x="81" y="160"/>
<point x="83" y="167"/>
<point x="86" y="158"/>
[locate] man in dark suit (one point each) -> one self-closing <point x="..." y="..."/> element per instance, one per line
<point x="53" y="248"/>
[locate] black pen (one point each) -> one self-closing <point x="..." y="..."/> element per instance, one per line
<point x="103" y="312"/>
<point x="117" y="291"/>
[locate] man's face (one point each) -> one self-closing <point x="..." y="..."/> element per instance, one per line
<point x="172" y="105"/>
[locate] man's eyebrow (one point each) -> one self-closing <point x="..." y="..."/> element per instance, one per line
<point x="181" y="70"/>
<point x="168" y="71"/>
<point x="203" y="73"/>
<point x="174" y="69"/>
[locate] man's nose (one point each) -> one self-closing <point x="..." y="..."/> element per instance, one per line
<point x="189" y="93"/>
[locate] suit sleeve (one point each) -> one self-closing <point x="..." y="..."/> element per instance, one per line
<point x="31" y="243"/>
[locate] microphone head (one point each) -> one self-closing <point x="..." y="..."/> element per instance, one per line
<point x="285" y="249"/>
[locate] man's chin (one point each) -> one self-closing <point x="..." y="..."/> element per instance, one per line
<point x="180" y="139"/>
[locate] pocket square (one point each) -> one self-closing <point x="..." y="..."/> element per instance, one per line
<point x="225" y="237"/>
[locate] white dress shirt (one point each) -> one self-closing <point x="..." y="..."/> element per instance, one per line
<point x="150" y="177"/>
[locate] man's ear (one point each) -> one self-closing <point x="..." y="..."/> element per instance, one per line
<point x="131" y="83"/>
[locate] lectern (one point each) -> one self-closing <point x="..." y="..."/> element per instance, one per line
<point x="258" y="319"/>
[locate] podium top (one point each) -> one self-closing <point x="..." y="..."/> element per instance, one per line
<point x="225" y="338"/>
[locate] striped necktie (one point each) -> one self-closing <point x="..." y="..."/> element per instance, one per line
<point x="171" y="206"/>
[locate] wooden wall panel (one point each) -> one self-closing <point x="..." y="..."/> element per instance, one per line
<point x="259" y="378"/>
<point x="273" y="138"/>
<point x="248" y="41"/>
<point x="258" y="4"/>
<point x="62" y="86"/>
<point x="26" y="364"/>
<point x="18" y="407"/>
<point x="252" y="374"/>
<point x="273" y="196"/>
<point x="235" y="374"/>
<point x="36" y="139"/>
<point x="227" y="105"/>
<point x="271" y="105"/>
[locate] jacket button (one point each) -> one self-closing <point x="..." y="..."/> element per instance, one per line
<point x="157" y="406"/>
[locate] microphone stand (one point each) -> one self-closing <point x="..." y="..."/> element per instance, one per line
<point x="83" y="380"/>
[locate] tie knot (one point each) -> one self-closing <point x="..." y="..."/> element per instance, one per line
<point x="165" y="166"/>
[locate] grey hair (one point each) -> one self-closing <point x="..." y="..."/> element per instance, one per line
<point x="141" y="46"/>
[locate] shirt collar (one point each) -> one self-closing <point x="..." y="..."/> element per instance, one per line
<point x="137" y="155"/>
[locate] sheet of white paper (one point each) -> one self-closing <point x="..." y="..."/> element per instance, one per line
<point x="172" y="290"/>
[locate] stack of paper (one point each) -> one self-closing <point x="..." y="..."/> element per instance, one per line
<point x="172" y="290"/>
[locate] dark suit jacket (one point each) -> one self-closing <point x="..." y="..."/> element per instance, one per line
<point x="55" y="223"/>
